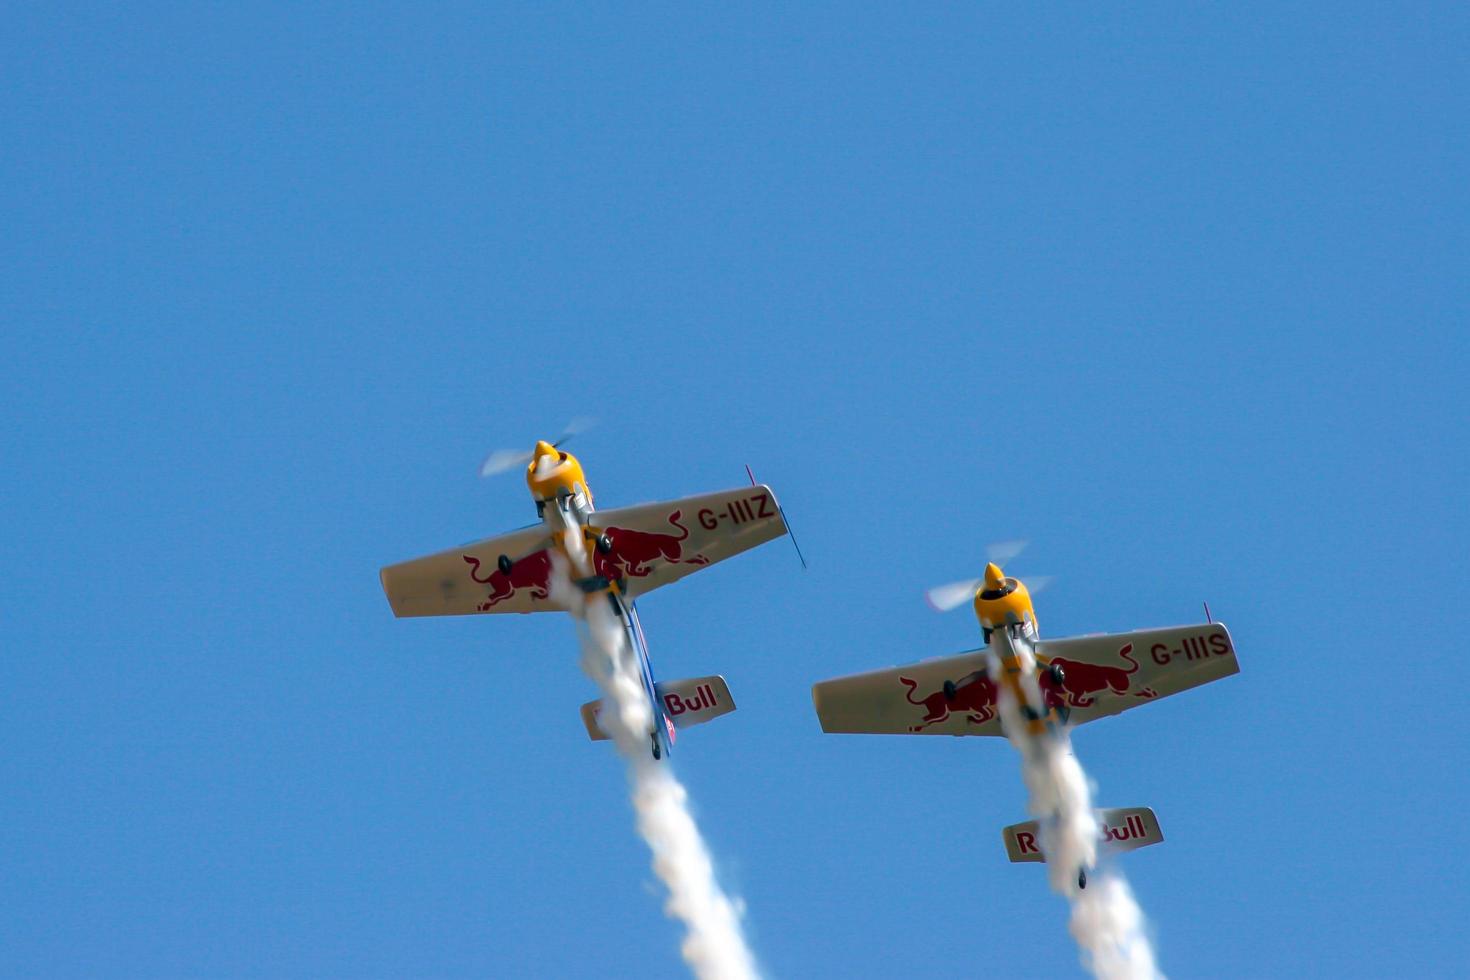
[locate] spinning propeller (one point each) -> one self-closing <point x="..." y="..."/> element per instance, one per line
<point x="504" y="460"/>
<point x="943" y="598"/>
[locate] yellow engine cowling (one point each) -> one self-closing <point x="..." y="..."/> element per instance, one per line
<point x="554" y="474"/>
<point x="1000" y="598"/>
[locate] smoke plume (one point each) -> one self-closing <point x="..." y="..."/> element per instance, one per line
<point x="1106" y="921"/>
<point x="714" y="945"/>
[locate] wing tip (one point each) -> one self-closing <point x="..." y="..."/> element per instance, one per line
<point x="385" y="579"/>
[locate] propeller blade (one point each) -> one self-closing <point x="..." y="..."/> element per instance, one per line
<point x="943" y="598"/>
<point x="508" y="459"/>
<point x="504" y="459"/>
<point x="575" y="427"/>
<point x="1038" y="583"/>
<point x="1001" y="552"/>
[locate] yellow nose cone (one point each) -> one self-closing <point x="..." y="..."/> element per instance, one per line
<point x="534" y="477"/>
<point x="553" y="473"/>
<point x="994" y="577"/>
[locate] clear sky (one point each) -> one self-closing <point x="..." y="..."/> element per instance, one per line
<point x="1176" y="292"/>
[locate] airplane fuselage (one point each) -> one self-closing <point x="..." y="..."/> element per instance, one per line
<point x="564" y="503"/>
<point x="1008" y="622"/>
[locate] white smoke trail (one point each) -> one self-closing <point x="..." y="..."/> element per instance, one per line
<point x="714" y="945"/>
<point x="1106" y="920"/>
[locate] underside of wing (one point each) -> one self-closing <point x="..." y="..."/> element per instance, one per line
<point x="1109" y="673"/>
<point x="1100" y="675"/>
<point x="654" y="544"/>
<point x="945" y="696"/>
<point x="470" y="579"/>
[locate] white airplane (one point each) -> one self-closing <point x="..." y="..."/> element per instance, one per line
<point x="1068" y="682"/>
<point x="633" y="550"/>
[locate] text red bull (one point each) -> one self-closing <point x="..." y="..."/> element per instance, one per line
<point x="704" y="697"/>
<point x="1130" y="829"/>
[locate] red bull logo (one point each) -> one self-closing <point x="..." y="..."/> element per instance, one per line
<point x="704" y="697"/>
<point x="531" y="572"/>
<point x="1082" y="681"/>
<point x="634" y="554"/>
<point x="974" y="696"/>
<point x="1132" y="829"/>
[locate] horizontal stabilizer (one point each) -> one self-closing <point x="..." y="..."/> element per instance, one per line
<point x="1124" y="829"/>
<point x="685" y="703"/>
<point x="589" y="718"/>
<point x="694" y="701"/>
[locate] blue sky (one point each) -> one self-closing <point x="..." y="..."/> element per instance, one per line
<point x="1176" y="292"/>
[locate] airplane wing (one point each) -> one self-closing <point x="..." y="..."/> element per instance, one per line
<point x="648" y="546"/>
<point x="467" y="579"/>
<point x="912" y="700"/>
<point x="651" y="545"/>
<point x="1111" y="672"/>
<point x="1103" y="675"/>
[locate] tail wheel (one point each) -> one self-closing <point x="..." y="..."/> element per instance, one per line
<point x="504" y="564"/>
<point x="658" y="752"/>
<point x="1058" y="675"/>
<point x="1082" y="878"/>
<point x="950" y="690"/>
<point x="604" y="544"/>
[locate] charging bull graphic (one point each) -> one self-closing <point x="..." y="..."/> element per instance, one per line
<point x="1082" y="681"/>
<point x="531" y="572"/>
<point x="974" y="697"/>
<point x="631" y="553"/>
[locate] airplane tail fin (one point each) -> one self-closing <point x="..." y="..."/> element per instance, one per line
<point x="685" y="703"/>
<point x="1125" y="829"/>
<point x="589" y="718"/>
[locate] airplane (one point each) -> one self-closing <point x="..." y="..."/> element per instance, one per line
<point x="1055" y="683"/>
<point x="632" y="551"/>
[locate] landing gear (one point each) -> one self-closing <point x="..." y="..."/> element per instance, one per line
<point x="1081" y="877"/>
<point x="504" y="564"/>
<point x="604" y="544"/>
<point x="950" y="690"/>
<point x="1057" y="674"/>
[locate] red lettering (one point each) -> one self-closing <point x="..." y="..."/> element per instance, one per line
<point x="1161" y="654"/>
<point x="674" y="703"/>
<point x="765" y="501"/>
<point x="1219" y="645"/>
<point x="1026" y="841"/>
<point x="707" y="519"/>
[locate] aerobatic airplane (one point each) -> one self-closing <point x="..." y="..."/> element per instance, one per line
<point x="1068" y="682"/>
<point x="633" y="550"/>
